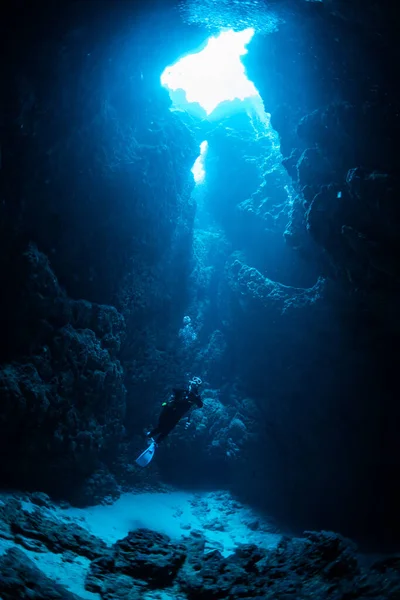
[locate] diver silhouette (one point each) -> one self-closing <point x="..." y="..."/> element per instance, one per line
<point x="181" y="402"/>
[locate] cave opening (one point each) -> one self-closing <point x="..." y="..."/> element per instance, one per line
<point x="212" y="75"/>
<point x="211" y="83"/>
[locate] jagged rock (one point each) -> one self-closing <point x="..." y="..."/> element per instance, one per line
<point x="251" y="285"/>
<point x="218" y="577"/>
<point x="20" y="578"/>
<point x="320" y="553"/>
<point x="5" y="531"/>
<point x="46" y="306"/>
<point x="71" y="386"/>
<point x="34" y="545"/>
<point x="267" y="208"/>
<point x="322" y="563"/>
<point x="54" y="534"/>
<point x="116" y="587"/>
<point x="107" y="323"/>
<point x="143" y="555"/>
<point x="95" y="248"/>
<point x="40" y="499"/>
<point x="239" y="144"/>
<point x="294" y="233"/>
<point x="338" y="131"/>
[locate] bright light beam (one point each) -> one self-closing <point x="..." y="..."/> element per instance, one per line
<point x="198" y="167"/>
<point x="214" y="75"/>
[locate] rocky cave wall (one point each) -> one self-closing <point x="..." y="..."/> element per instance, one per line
<point x="281" y="429"/>
<point x="324" y="76"/>
<point x="96" y="222"/>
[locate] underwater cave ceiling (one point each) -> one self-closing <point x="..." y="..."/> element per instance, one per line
<point x="97" y="225"/>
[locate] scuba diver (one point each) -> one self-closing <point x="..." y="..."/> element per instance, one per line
<point x="181" y="402"/>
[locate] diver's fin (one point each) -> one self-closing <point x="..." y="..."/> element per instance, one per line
<point x="146" y="456"/>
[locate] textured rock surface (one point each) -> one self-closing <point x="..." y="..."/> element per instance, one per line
<point x="20" y="578"/>
<point x="337" y="138"/>
<point x="150" y="557"/>
<point x="48" y="531"/>
<point x="320" y="563"/>
<point x="334" y="105"/>
<point x="95" y="222"/>
<point x="63" y="402"/>
<point x="252" y="287"/>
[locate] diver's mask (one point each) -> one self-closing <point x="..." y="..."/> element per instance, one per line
<point x="194" y="384"/>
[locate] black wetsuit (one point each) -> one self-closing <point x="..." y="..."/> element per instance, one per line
<point x="180" y="402"/>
